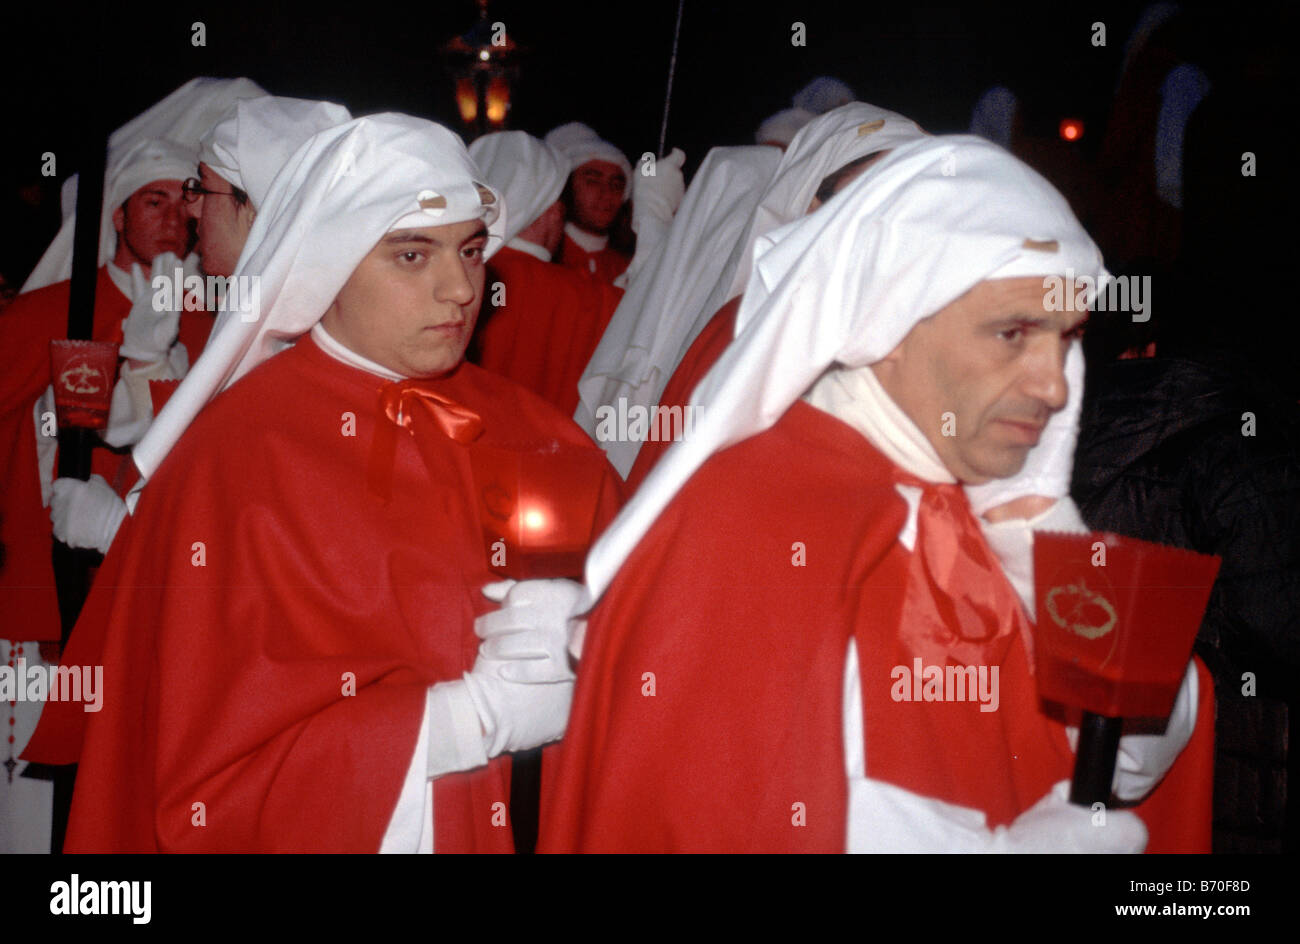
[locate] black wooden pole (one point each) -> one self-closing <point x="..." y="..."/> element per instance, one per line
<point x="1094" y="763"/>
<point x="525" y="798"/>
<point x="71" y="565"/>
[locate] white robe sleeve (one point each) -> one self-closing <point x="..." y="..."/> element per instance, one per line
<point x="451" y="739"/>
<point x="886" y="818"/>
<point x="411" y="826"/>
<point x="47" y="447"/>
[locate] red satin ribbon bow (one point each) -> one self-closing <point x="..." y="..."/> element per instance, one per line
<point x="457" y="422"/>
<point x="399" y="401"/>
<point x="959" y="605"/>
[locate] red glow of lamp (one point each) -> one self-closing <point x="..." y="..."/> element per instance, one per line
<point x="1071" y="129"/>
<point x="538" y="505"/>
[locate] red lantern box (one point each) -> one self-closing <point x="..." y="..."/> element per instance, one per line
<point x="84" y="373"/>
<point x="540" y="501"/>
<point x="1117" y="617"/>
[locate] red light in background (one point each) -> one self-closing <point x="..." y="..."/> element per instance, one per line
<point x="1071" y="129"/>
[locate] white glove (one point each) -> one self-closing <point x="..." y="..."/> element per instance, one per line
<point x="148" y="332"/>
<point x="1144" y="759"/>
<point x="654" y="201"/>
<point x="886" y="818"/>
<point x="1054" y="824"/>
<point x="656" y="198"/>
<point x="1050" y="464"/>
<point x="521" y="683"/>
<point x="86" y="514"/>
<point x="517" y="696"/>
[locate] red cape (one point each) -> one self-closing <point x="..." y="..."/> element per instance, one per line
<point x="746" y="653"/>
<point x="603" y="265"/>
<point x="544" y="334"/>
<point x="224" y="683"/>
<point x="699" y="358"/>
<point x="27" y="593"/>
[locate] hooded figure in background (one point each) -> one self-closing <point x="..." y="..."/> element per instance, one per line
<point x="656" y="320"/>
<point x="182" y="118"/>
<point x="823" y="159"/>
<point x="819" y="96"/>
<point x="142" y="223"/>
<point x="330" y="681"/>
<point x="598" y="186"/>
<point x="243" y="152"/>
<point x="544" y="319"/>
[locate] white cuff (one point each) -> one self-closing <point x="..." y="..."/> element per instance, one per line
<point x="886" y="818"/>
<point x="410" y="829"/>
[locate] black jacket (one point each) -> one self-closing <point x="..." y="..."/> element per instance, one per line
<point x="1162" y="456"/>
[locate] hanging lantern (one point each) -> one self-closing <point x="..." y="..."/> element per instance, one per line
<point x="482" y="63"/>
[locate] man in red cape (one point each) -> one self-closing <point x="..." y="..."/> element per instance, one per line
<point x="149" y="223"/>
<point x="304" y="566"/>
<point x="245" y="149"/>
<point x="899" y="407"/>
<point x="238" y="159"/>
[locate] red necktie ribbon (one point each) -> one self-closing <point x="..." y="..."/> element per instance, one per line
<point x="399" y="401"/>
<point x="959" y="606"/>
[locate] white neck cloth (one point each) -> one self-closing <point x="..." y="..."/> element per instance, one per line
<point x="527" y="171"/>
<point x="856" y="396"/>
<point x="537" y="252"/>
<point x="337" y="196"/>
<point x="182" y="118"/>
<point x="846" y="284"/>
<point x="591" y="242"/>
<point x="345" y="355"/>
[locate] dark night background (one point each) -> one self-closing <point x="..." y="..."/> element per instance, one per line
<point x="602" y="63"/>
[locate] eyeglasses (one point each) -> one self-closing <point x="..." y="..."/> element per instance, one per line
<point x="192" y="189"/>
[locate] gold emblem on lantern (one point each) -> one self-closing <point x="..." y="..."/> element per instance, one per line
<point x="81" y="378"/>
<point x="1075" y="608"/>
